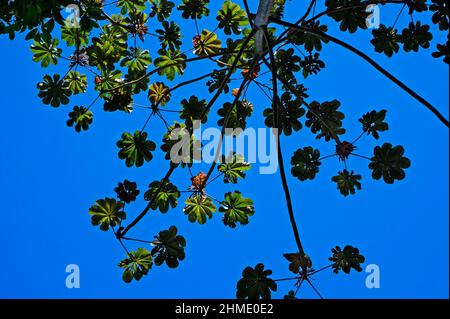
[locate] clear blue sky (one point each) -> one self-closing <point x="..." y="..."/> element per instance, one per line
<point x="51" y="175"/>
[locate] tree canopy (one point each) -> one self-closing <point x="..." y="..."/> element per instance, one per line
<point x="105" y="48"/>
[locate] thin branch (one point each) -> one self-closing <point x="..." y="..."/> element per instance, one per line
<point x="280" y="153"/>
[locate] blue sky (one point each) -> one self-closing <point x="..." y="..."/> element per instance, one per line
<point x="51" y="176"/>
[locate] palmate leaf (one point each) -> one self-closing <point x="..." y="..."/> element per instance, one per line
<point x="311" y="65"/>
<point x="305" y="163"/>
<point x="287" y="63"/>
<point x="169" y="248"/>
<point x="46" y="52"/>
<point x="193" y="110"/>
<point x="415" y="36"/>
<point x="74" y="36"/>
<point x="373" y="122"/>
<point x="347" y="182"/>
<point x="441" y="13"/>
<point x="119" y="101"/>
<point x="443" y="51"/>
<point x="54" y="90"/>
<point x="81" y="118"/>
<point x="76" y="82"/>
<point x="350" y="20"/>
<point x="131" y="5"/>
<point x="233" y="167"/>
<point x="170" y="63"/>
<point x="135" y="149"/>
<point x="386" y="40"/>
<point x="417" y="5"/>
<point x="127" y="191"/>
<point x="388" y="162"/>
<point x="107" y="213"/>
<point x="236" y="209"/>
<point x="289" y="112"/>
<point x="231" y="18"/>
<point x="159" y="94"/>
<point x="180" y="146"/>
<point x="298" y="262"/>
<point x="255" y="283"/>
<point x="206" y="43"/>
<point x="136" y="265"/>
<point x="166" y="197"/>
<point x="237" y="120"/>
<point x="310" y="41"/>
<point x="326" y="112"/>
<point x="194" y="9"/>
<point x="170" y="36"/>
<point x="346" y="259"/>
<point x="199" y="208"/>
<point x="216" y="81"/>
<point x="136" y="59"/>
<point x="161" y="9"/>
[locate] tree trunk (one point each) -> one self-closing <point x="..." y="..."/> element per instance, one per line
<point x="261" y="21"/>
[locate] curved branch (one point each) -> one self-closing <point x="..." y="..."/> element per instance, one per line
<point x="386" y="73"/>
<point x="279" y="151"/>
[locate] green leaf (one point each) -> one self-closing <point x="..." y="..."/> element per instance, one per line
<point x="107" y="213"/>
<point x="137" y="60"/>
<point x="255" y="283"/>
<point x="386" y="40"/>
<point x="81" y="118"/>
<point x="166" y="197"/>
<point x="310" y="41"/>
<point x="415" y="36"/>
<point x="180" y="146"/>
<point x="159" y="94"/>
<point x="305" y="163"/>
<point x="170" y="63"/>
<point x="325" y="119"/>
<point x="119" y="101"/>
<point x="46" y="52"/>
<point x="193" y="110"/>
<point x="199" y="208"/>
<point x="161" y="9"/>
<point x="231" y="17"/>
<point x="373" y="122"/>
<point x="76" y="82"/>
<point x="311" y="65"/>
<point x="170" y="36"/>
<point x="233" y="167"/>
<point x="127" y="191"/>
<point x="441" y="13"/>
<point x="136" y="265"/>
<point x="388" y="162"/>
<point x="350" y="20"/>
<point x="169" y="248"/>
<point x="289" y="111"/>
<point x="206" y="43"/>
<point x="346" y="259"/>
<point x="194" y="9"/>
<point x="237" y="118"/>
<point x="347" y="182"/>
<point x="236" y="209"/>
<point x="417" y="5"/>
<point x="74" y="36"/>
<point x="298" y="262"/>
<point x="287" y="63"/>
<point x="131" y="5"/>
<point x="135" y="149"/>
<point x="54" y="91"/>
